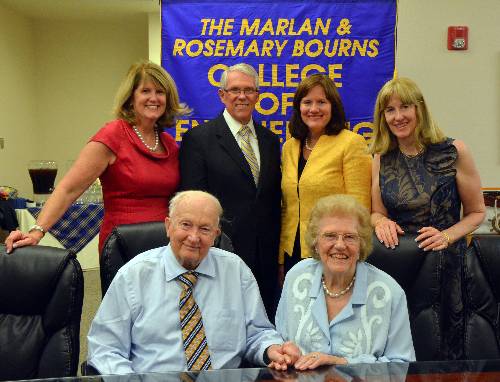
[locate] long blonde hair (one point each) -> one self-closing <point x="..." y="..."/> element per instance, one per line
<point x="426" y="132"/>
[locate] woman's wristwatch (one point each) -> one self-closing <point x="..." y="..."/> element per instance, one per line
<point x="37" y="227"/>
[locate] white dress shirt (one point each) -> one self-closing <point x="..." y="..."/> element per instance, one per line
<point x="235" y="127"/>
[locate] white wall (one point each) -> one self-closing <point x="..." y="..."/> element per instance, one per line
<point x="58" y="80"/>
<point x="154" y="20"/>
<point x="17" y="98"/>
<point x="79" y="66"/>
<point x="462" y="88"/>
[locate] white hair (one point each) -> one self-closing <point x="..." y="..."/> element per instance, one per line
<point x="242" y="68"/>
<point x="185" y="195"/>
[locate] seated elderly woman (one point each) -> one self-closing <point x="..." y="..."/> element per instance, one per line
<point x="334" y="306"/>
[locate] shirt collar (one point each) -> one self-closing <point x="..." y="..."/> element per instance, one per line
<point x="173" y="269"/>
<point x="359" y="295"/>
<point x="316" y="282"/>
<point x="235" y="126"/>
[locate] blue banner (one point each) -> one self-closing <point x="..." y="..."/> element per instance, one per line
<point x="351" y="41"/>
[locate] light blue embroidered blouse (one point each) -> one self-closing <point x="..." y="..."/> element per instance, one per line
<point x="372" y="327"/>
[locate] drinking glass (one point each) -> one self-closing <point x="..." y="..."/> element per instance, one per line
<point x="43" y="174"/>
<point x="92" y="195"/>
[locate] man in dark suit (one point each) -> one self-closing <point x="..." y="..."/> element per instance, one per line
<point x="238" y="161"/>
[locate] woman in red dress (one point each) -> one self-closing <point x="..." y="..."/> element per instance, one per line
<point x="135" y="160"/>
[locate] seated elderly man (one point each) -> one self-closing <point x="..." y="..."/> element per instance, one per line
<point x="185" y="306"/>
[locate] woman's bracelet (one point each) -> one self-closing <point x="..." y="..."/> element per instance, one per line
<point x="447" y="237"/>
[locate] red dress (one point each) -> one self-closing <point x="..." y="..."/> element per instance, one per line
<point x="139" y="184"/>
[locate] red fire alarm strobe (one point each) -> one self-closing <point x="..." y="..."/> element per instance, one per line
<point x="458" y="38"/>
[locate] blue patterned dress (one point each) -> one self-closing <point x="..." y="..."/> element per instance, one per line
<point x="422" y="191"/>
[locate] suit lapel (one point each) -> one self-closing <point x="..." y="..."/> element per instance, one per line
<point x="228" y="143"/>
<point x="264" y="151"/>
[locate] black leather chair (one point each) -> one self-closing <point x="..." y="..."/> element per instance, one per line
<point x="41" y="296"/>
<point x="482" y="298"/>
<point x="128" y="240"/>
<point x="418" y="273"/>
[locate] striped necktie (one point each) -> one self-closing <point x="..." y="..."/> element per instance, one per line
<point x="193" y="333"/>
<point x="248" y="152"/>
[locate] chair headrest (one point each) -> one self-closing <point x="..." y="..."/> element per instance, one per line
<point x="137" y="238"/>
<point x="402" y="263"/>
<point x="28" y="277"/>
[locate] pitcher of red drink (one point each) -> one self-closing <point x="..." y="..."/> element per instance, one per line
<point x="43" y="174"/>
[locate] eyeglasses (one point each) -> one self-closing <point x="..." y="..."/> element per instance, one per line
<point x="237" y="91"/>
<point x="333" y="237"/>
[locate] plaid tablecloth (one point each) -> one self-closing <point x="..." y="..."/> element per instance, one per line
<point x="78" y="226"/>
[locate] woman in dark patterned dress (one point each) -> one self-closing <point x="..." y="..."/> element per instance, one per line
<point x="420" y="182"/>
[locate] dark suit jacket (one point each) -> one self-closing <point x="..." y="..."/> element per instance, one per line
<point x="211" y="160"/>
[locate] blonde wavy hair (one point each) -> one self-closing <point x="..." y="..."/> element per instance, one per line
<point x="426" y="132"/>
<point x="139" y="73"/>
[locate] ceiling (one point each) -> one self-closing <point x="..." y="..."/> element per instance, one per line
<point x="81" y="9"/>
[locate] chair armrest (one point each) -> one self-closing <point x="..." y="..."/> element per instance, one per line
<point x="86" y="369"/>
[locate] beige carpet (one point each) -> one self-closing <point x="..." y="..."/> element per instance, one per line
<point x="91" y="301"/>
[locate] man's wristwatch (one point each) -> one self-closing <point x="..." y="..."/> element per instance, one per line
<point x="37" y="227"/>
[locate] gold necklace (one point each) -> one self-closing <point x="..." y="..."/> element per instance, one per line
<point x="412" y="155"/>
<point x="338" y="294"/>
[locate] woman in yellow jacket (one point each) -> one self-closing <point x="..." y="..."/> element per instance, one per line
<point x="322" y="158"/>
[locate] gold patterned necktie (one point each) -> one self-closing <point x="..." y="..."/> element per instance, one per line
<point x="193" y="333"/>
<point x="248" y="152"/>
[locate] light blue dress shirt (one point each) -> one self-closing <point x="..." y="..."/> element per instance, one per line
<point x="137" y="329"/>
<point x="372" y="327"/>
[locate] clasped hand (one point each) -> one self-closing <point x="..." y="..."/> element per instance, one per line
<point x="313" y="360"/>
<point x="283" y="356"/>
<point x="316" y="359"/>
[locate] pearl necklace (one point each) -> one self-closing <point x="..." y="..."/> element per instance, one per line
<point x="150" y="148"/>
<point x="338" y="294"/>
<point x="306" y="145"/>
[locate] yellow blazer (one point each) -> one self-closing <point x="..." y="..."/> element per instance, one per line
<point x="338" y="164"/>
